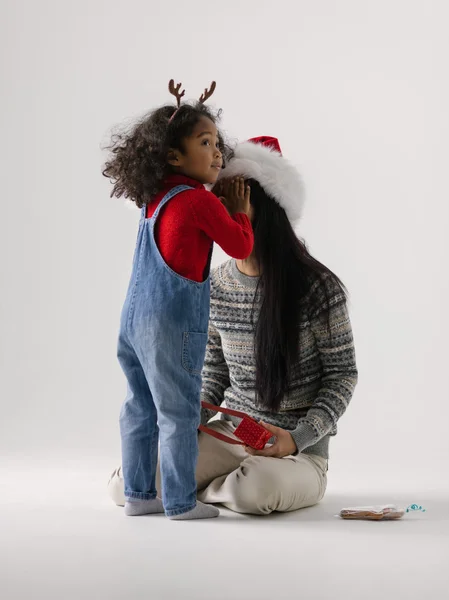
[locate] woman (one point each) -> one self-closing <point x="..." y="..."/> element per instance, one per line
<point x="280" y="349"/>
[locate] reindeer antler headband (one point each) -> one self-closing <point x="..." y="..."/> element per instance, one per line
<point x="175" y="90"/>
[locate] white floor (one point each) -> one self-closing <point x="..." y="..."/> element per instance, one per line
<point x="61" y="538"/>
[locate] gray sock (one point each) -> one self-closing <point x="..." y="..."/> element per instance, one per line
<point x="135" y="507"/>
<point x="201" y="511"/>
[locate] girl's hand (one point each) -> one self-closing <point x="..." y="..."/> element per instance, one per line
<point x="284" y="445"/>
<point x="234" y="195"/>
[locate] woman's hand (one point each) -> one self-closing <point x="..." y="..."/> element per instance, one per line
<point x="234" y="195"/>
<point x="284" y="445"/>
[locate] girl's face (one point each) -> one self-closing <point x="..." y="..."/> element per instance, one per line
<point x="201" y="158"/>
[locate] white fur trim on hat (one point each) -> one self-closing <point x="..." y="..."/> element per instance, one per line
<point x="279" y="178"/>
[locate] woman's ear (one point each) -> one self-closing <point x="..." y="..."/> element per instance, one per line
<point x="173" y="158"/>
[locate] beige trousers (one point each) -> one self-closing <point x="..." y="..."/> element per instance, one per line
<point x="258" y="485"/>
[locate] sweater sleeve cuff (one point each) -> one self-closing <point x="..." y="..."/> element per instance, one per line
<point x="304" y="436"/>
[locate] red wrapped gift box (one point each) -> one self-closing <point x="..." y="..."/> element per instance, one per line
<point x="249" y="432"/>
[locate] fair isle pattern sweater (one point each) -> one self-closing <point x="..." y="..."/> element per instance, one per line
<point x="322" y="381"/>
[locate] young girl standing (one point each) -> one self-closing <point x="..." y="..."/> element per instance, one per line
<point x="162" y="165"/>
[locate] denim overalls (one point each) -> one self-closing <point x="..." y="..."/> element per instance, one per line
<point x="161" y="349"/>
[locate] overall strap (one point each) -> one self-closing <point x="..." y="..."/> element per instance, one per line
<point x="171" y="194"/>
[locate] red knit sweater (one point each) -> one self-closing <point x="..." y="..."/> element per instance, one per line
<point x="189" y="223"/>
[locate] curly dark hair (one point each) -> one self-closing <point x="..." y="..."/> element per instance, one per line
<point x="137" y="164"/>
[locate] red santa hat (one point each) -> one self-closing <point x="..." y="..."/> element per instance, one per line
<point x="261" y="159"/>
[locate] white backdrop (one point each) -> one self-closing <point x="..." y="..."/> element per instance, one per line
<point x="357" y="93"/>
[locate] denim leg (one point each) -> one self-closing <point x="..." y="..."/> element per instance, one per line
<point x="138" y="428"/>
<point x="179" y="455"/>
<point x="176" y="395"/>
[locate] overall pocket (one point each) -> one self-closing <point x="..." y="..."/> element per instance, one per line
<point x="193" y="351"/>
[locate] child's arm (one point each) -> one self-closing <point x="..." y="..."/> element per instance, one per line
<point x="234" y="234"/>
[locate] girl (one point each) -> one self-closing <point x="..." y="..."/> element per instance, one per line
<point x="280" y="349"/>
<point x="162" y="165"/>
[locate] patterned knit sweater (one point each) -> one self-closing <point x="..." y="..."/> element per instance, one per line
<point x="323" y="380"/>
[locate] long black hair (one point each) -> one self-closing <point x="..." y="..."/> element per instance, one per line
<point x="137" y="164"/>
<point x="288" y="272"/>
